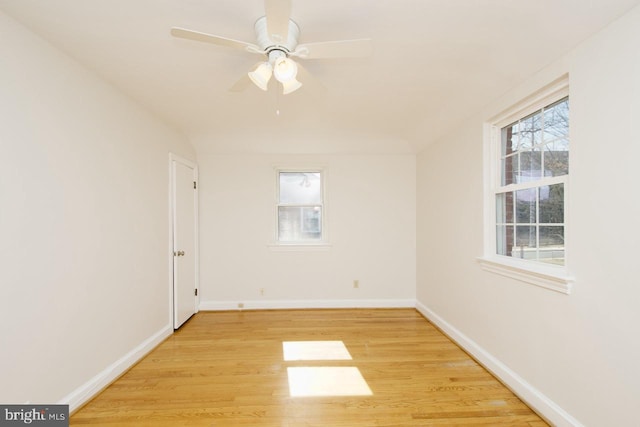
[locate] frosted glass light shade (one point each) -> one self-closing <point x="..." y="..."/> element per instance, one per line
<point x="290" y="86"/>
<point x="284" y="69"/>
<point x="261" y="75"/>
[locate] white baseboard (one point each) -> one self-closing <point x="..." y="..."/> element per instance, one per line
<point x="88" y="390"/>
<point x="302" y="304"/>
<point x="529" y="394"/>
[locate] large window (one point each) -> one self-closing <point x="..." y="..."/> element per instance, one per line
<point x="527" y="187"/>
<point x="300" y="209"/>
<point x="530" y="200"/>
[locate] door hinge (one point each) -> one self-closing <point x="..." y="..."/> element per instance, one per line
<point x="195" y="185"/>
<point x="196" y="291"/>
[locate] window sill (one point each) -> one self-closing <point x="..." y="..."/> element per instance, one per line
<point x="300" y="247"/>
<point x="548" y="277"/>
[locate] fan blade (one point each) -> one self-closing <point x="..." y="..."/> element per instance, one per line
<point x="278" y="14"/>
<point x="338" y="49"/>
<point x="183" y="33"/>
<point x="241" y="84"/>
<point x="311" y="83"/>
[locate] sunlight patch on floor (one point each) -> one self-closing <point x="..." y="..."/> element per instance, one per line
<point x="327" y="381"/>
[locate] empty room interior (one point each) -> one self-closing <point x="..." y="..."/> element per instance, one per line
<point x="338" y="213"/>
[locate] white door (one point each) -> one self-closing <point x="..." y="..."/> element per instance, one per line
<point x="184" y="204"/>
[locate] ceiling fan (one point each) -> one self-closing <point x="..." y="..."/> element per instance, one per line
<point x="277" y="39"/>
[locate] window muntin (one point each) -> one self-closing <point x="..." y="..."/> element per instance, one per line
<point x="300" y="207"/>
<point x="530" y="197"/>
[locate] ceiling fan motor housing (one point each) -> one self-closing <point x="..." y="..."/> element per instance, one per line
<point x="273" y="42"/>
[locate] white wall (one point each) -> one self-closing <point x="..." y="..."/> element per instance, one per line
<point x="371" y="215"/>
<point x="579" y="351"/>
<point x="83" y="223"/>
<point x="84" y="226"/>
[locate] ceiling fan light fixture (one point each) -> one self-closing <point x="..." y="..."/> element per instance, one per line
<point x="290" y="86"/>
<point x="277" y="38"/>
<point x="261" y="75"/>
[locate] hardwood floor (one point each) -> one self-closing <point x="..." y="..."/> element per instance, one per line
<point x="228" y="369"/>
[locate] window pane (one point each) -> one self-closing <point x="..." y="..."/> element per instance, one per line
<point x="556" y="158"/>
<point x="509" y="167"/>
<point x="525" y="242"/>
<point x="509" y="139"/>
<point x="530" y="166"/>
<point x="516" y="167"/>
<point x="504" y="239"/>
<point x="526" y="133"/>
<point x="504" y="208"/>
<point x="551" y="204"/>
<point x="556" y="121"/>
<point x="526" y="206"/>
<point x="299" y="223"/>
<point x="300" y="188"/>
<point x="536" y="130"/>
<point x="552" y="244"/>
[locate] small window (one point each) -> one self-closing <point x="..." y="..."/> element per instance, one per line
<point x="530" y="197"/>
<point x="300" y="209"/>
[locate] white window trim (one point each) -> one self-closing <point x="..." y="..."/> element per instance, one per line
<point x="552" y="277"/>
<point x="320" y="245"/>
<point x="549" y="277"/>
<point x="299" y="247"/>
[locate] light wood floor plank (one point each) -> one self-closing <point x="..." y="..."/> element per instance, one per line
<point x="228" y="369"/>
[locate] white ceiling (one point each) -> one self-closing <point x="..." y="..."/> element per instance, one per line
<point x="435" y="62"/>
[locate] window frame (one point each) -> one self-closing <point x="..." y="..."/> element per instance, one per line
<point x="323" y="242"/>
<point x="554" y="277"/>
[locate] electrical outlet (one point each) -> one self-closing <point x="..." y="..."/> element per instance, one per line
<point x="240" y="305"/>
<point x="356" y="284"/>
<point x="261" y="291"/>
